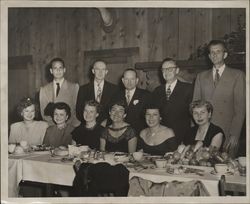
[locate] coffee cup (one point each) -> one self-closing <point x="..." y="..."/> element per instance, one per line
<point x="161" y="163"/>
<point x="84" y="148"/>
<point x="11" y="148"/>
<point x="242" y="161"/>
<point x="221" y="168"/>
<point x="24" y="144"/>
<point x="137" y="156"/>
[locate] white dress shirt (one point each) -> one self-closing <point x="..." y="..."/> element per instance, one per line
<point x="220" y="70"/>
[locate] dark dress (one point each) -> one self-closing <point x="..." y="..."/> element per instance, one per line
<point x="169" y="145"/>
<point x="88" y="136"/>
<point x="211" y="132"/>
<point x="119" y="144"/>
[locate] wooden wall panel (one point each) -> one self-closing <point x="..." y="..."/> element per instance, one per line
<point x="186" y="33"/>
<point x="170" y="32"/>
<point x="221" y="22"/>
<point x="237" y="16"/>
<point x="68" y="32"/>
<point x="203" y="27"/>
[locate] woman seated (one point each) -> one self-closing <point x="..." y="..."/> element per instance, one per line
<point x="119" y="135"/>
<point x="156" y="139"/>
<point x="28" y="130"/>
<point x="89" y="132"/>
<point x="204" y="130"/>
<point x="60" y="133"/>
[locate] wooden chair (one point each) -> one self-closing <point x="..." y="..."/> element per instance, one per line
<point x="231" y="188"/>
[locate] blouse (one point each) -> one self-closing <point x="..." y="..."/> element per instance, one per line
<point x="88" y="136"/>
<point x="119" y="144"/>
<point x="169" y="145"/>
<point x="58" y="137"/>
<point x="33" y="135"/>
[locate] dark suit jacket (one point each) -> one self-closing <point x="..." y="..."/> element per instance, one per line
<point x="175" y="111"/>
<point x="135" y="109"/>
<point x="86" y="93"/>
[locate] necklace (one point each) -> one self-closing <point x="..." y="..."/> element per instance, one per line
<point x="153" y="133"/>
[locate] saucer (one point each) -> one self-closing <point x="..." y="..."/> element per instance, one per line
<point x="160" y="169"/>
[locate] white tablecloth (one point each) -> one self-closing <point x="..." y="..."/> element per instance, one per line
<point x="47" y="169"/>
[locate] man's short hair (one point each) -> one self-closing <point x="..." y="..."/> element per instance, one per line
<point x="57" y="59"/>
<point x="217" y="42"/>
<point x="132" y="70"/>
<point x="98" y="60"/>
<point x="168" y="59"/>
<point x="62" y="106"/>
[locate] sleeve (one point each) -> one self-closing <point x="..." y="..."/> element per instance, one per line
<point x="46" y="138"/>
<point x="76" y="90"/>
<point x="44" y="127"/>
<point x="197" y="89"/>
<point x="12" y="138"/>
<point x="104" y="134"/>
<point x="75" y="134"/>
<point x="239" y="105"/>
<point x="130" y="134"/>
<point x="79" y="102"/>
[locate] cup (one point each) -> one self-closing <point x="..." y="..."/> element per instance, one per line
<point x="138" y="156"/>
<point x="221" y="168"/>
<point x="109" y="157"/>
<point x="24" y="144"/>
<point x="161" y="163"/>
<point x="242" y="161"/>
<point x="11" y="148"/>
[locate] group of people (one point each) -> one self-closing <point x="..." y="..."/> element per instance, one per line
<point x="106" y="118"/>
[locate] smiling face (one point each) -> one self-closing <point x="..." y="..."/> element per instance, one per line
<point x="217" y="54"/>
<point x="90" y="113"/>
<point x="28" y="113"/>
<point x="130" y="80"/>
<point x="99" y="70"/>
<point x="201" y="115"/>
<point x="169" y="71"/>
<point x="117" y="113"/>
<point x="153" y="117"/>
<point x="60" y="116"/>
<point x="57" y="70"/>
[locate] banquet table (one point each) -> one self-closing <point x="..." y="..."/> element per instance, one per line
<point x="42" y="167"/>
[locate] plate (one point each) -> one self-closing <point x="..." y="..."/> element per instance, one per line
<point x="20" y="154"/>
<point x="41" y="152"/>
<point x="160" y="169"/>
<point x="220" y="174"/>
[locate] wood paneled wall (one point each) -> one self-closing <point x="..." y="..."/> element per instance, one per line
<point x="67" y="32"/>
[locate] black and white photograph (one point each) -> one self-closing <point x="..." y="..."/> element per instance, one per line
<point x="124" y="101"/>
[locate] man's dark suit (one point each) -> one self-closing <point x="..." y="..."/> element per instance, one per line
<point x="135" y="110"/>
<point x="175" y="111"/>
<point x="86" y="93"/>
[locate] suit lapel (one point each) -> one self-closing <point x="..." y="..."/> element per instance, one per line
<point x="105" y="94"/>
<point x="135" y="96"/>
<point x="50" y="91"/>
<point x="63" y="90"/>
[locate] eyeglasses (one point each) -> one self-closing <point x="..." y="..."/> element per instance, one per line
<point x="169" y="69"/>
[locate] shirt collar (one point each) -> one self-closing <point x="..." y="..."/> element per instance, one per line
<point x="60" y="82"/>
<point x="131" y="92"/>
<point x="173" y="84"/>
<point x="101" y="83"/>
<point x="220" y="69"/>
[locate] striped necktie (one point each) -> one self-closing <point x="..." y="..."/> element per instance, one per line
<point x="99" y="93"/>
<point x="216" y="77"/>
<point x="168" y="92"/>
<point x="128" y="97"/>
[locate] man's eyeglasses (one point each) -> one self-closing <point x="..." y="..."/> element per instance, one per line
<point x="169" y="69"/>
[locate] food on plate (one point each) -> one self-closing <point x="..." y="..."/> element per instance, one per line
<point x="61" y="151"/>
<point x="19" y="150"/>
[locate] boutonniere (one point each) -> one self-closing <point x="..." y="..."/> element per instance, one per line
<point x="135" y="102"/>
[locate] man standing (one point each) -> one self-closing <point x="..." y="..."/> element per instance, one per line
<point x="225" y="88"/>
<point x="98" y="89"/>
<point x="59" y="90"/>
<point x="135" y="98"/>
<point x="173" y="99"/>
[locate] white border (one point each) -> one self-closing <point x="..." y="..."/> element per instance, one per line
<point x="4" y="94"/>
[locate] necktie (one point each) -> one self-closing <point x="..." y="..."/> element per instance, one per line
<point x="216" y="78"/>
<point x="99" y="93"/>
<point x="57" y="88"/>
<point x="128" y="97"/>
<point x="168" y="92"/>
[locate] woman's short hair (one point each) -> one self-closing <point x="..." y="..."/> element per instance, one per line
<point x="151" y="106"/>
<point x="24" y="103"/>
<point x="93" y="103"/>
<point x="62" y="106"/>
<point x="201" y="103"/>
<point x="119" y="103"/>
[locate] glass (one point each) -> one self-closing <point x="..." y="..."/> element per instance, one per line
<point x="169" y="69"/>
